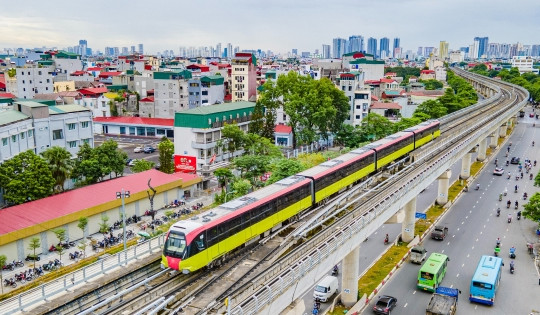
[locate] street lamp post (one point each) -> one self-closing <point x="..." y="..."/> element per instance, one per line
<point x="121" y="195"/>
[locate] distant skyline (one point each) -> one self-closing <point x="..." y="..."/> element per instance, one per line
<point x="279" y="25"/>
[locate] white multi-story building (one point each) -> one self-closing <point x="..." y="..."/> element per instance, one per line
<point x="32" y="81"/>
<point x="352" y="84"/>
<point x="440" y="74"/>
<point x="523" y="63"/>
<point x="35" y="126"/>
<point x="67" y="63"/>
<point x="457" y="56"/>
<point x="170" y="93"/>
<point x="244" y="77"/>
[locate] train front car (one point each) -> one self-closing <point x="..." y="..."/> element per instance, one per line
<point x="205" y="240"/>
<point x="176" y="245"/>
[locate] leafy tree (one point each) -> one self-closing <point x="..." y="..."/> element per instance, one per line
<point x="432" y="84"/>
<point x="83" y="223"/>
<point x="405" y="123"/>
<point x="142" y="165"/>
<point x="349" y="136"/>
<point x="265" y="111"/>
<point x="284" y="168"/>
<point x="232" y="138"/>
<point x="241" y="187"/>
<point x="34" y="244"/>
<point x="532" y="208"/>
<point x="420" y="115"/>
<point x="60" y="164"/>
<point x="433" y="108"/>
<point x="114" y="110"/>
<point x="103" y="225"/>
<point x="252" y="166"/>
<point x="60" y="234"/>
<point x="25" y="177"/>
<point x="404" y="72"/>
<point x="258" y="145"/>
<point x="3" y="260"/>
<point x="224" y="175"/>
<point x="375" y="126"/>
<point x="166" y="151"/>
<point x="12" y="72"/>
<point x="112" y="159"/>
<point x="310" y="160"/>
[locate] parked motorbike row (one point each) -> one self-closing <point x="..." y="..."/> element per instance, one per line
<point x="12" y="265"/>
<point x="65" y="245"/>
<point x="32" y="273"/>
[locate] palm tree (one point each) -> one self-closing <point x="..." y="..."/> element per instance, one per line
<point x="60" y="164"/>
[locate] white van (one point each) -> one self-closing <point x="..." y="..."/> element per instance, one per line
<point x="326" y="288"/>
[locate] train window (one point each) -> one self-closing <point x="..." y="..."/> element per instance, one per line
<point x="200" y="242"/>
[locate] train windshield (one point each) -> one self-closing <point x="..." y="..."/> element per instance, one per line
<point x="175" y="246"/>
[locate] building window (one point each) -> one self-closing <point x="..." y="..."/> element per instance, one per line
<point x="141" y="131"/>
<point x="71" y="126"/>
<point x="4" y="142"/>
<point x="14" y="138"/>
<point x="84" y="124"/>
<point x="122" y="130"/>
<point x="58" y="134"/>
<point x="132" y="131"/>
<point x="350" y="88"/>
<point x="72" y="144"/>
<point x="160" y="132"/>
<point x="357" y="116"/>
<point x="23" y="135"/>
<point x="358" y="107"/>
<point x="30" y="133"/>
<point x="204" y="92"/>
<point x="151" y="132"/>
<point x="86" y="140"/>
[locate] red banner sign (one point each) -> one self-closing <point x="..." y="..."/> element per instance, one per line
<point x="185" y="163"/>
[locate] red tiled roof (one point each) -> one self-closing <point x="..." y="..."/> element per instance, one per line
<point x="79" y="73"/>
<point x="283" y="129"/>
<point x="346" y="75"/>
<point x="428" y="71"/>
<point x="56" y="206"/>
<point x="147" y="67"/>
<point x="136" y="121"/>
<point x="109" y="74"/>
<point x="379" y="105"/>
<point x="203" y="68"/>
<point x="2" y="85"/>
<point x="436" y="93"/>
<point x="94" y="69"/>
<point x="148" y="99"/>
<point x="372" y="82"/>
<point x="7" y="95"/>
<point x="374" y="98"/>
<point x="390" y="74"/>
<point x="387" y="80"/>
<point x="93" y="91"/>
<point x="358" y="55"/>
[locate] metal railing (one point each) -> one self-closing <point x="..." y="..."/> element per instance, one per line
<point x="66" y="282"/>
<point x="277" y="280"/>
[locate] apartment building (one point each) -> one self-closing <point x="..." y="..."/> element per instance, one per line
<point x="35" y="126"/>
<point x="30" y="81"/>
<point x="96" y="100"/>
<point x="207" y="90"/>
<point x="523" y="63"/>
<point x="170" y="93"/>
<point x="372" y="69"/>
<point x="244" y="77"/>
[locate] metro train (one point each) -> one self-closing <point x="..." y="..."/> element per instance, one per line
<point x="205" y="240"/>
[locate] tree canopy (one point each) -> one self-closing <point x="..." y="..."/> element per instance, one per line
<point x="60" y="164"/>
<point x="166" y="151"/>
<point x="93" y="164"/>
<point x="532" y="208"/>
<point x="26" y="177"/>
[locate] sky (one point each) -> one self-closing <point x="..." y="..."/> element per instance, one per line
<point x="276" y="25"/>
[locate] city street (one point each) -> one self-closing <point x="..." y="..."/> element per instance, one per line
<point x="473" y="229"/>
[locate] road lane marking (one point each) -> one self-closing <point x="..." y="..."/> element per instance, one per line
<point x="462" y="265"/>
<point x="457" y="276"/>
<point x="442" y="251"/>
<point x="405" y="305"/>
<point x="414" y="292"/>
<point x="462" y="222"/>
<point x="466" y="217"/>
<point x="458" y="229"/>
<point x="454" y="235"/>
<point x="472" y="247"/>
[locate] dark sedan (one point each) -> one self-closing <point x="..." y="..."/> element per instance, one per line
<point x="514" y="160"/>
<point x="149" y="150"/>
<point x="385" y="304"/>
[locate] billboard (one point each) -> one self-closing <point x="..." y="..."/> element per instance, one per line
<point x="185" y="163"/>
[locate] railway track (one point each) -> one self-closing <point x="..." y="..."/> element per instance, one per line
<point x="191" y="294"/>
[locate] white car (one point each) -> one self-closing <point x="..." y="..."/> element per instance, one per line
<point x="138" y="149"/>
<point x="499" y="171"/>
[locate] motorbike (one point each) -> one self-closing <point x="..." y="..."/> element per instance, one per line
<point x="9" y="267"/>
<point x="335" y="271"/>
<point x="530" y="176"/>
<point x="512" y="253"/>
<point x="509" y="219"/>
<point x="525" y="196"/>
<point x="500" y="197"/>
<point x="507" y="163"/>
<point x="10" y="283"/>
<point x="519" y="215"/>
<point x="477" y="187"/>
<point x="74" y="255"/>
<point x="512" y="269"/>
<point x="386" y="240"/>
<point x="498" y="212"/>
<point x="516" y="206"/>
<point x="508" y="203"/>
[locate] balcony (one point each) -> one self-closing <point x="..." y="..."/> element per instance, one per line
<point x="203" y="144"/>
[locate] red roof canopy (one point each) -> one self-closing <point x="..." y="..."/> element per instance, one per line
<point x="427" y="71"/>
<point x="283" y="129"/>
<point x="94" y="69"/>
<point x="109" y="74"/>
<point x="203" y="68"/>
<point x="379" y="105"/>
<point x="6" y="95"/>
<point x="93" y="91"/>
<point x="358" y="55"/>
<point x="136" y="121"/>
<point x="149" y="99"/>
<point x="56" y="206"/>
<point x="387" y="80"/>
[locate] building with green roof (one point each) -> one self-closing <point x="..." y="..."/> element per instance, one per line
<point x="197" y="130"/>
<point x="170" y="94"/>
<point x="206" y="90"/>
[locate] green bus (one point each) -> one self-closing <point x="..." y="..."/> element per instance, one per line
<point x="432" y="272"/>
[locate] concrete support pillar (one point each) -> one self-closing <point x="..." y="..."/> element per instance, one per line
<point x="444" y="184"/>
<point x="492" y="140"/>
<point x="502" y="131"/>
<point x="349" y="280"/>
<point x="482" y="150"/>
<point x="465" y="166"/>
<point x="407" y="226"/>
